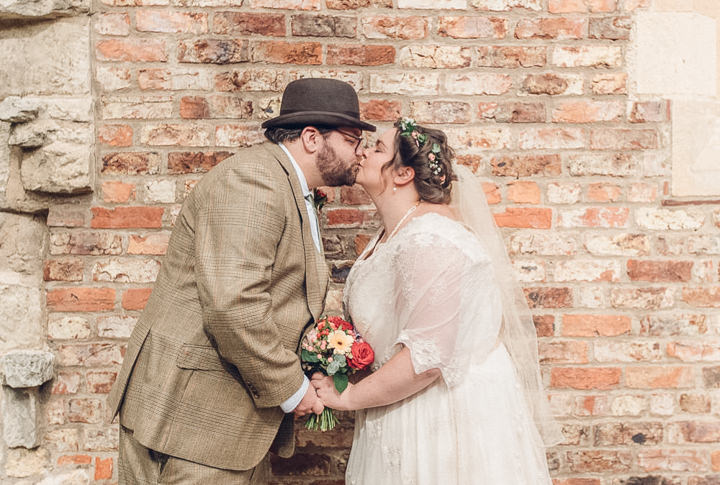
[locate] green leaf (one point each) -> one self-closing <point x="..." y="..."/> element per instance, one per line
<point x="308" y="356"/>
<point x="341" y="382"/>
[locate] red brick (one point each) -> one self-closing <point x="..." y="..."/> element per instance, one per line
<point x="561" y="28"/>
<point x="512" y="56"/>
<point x="74" y="460"/>
<point x="131" y="163"/>
<point x="354" y="195"/>
<point x="154" y="243"/>
<point x="610" y="28"/>
<point x="81" y="299"/>
<point x="544" y="325"/>
<point x="88" y="411"/>
<point x="346" y="217"/>
<point x="526" y="165"/>
<point x="550" y="83"/>
<point x="244" y="23"/>
<point x="611" y="83"/>
<point x="117" y="192"/>
<point x="695" y="403"/>
<point x="286" y="4"/>
<point x="587" y="111"/>
<point x="323" y="26"/>
<point x="145" y="50"/>
<point x="63" y="270"/>
<point x="380" y="110"/>
<point x="548" y="297"/>
<point x="66" y="383"/>
<point x="650" y="111"/>
<point x="85" y="243"/>
<point x="521" y="192"/>
<point x="360" y="242"/>
<point x="512" y="112"/>
<point x="563" y="352"/>
<point x="100" y="382"/>
<point x="599" y="461"/>
<point x="492" y="193"/>
<point x="115" y="135"/>
<point x="595" y="217"/>
<point x="585" y="378"/>
<point x="309" y="53"/>
<point x="583" y="325"/>
<point x="360" y="55"/>
<point x="715" y="460"/>
<point x="536" y="218"/>
<point x="678" y="460"/>
<point x="667" y="377"/>
<point x="392" y="27"/>
<point x="194" y="162"/>
<point x="702" y="297"/>
<point x="659" y="270"/>
<point x="171" y="21"/>
<point x="620" y="139"/>
<point x="473" y="27"/>
<point x="103" y="468"/>
<point x="194" y="107"/>
<point x="602" y="192"/>
<point x="136" y="298"/>
<point x="213" y="51"/>
<point x="127" y="217"/>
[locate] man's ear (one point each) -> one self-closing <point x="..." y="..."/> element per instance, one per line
<point x="403" y="176"/>
<point x="311" y="139"/>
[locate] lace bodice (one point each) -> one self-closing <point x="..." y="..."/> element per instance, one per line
<point x="431" y="288"/>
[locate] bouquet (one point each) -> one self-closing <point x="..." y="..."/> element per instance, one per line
<point x="334" y="348"/>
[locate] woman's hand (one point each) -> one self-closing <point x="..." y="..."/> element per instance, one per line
<point x="330" y="397"/>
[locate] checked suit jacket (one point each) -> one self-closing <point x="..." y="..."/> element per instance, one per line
<point x="214" y="352"/>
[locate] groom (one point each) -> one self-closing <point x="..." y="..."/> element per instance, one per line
<point x="211" y="368"/>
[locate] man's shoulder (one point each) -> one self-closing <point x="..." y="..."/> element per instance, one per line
<point x="255" y="162"/>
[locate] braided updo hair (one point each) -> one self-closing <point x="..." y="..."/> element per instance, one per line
<point x="432" y="166"/>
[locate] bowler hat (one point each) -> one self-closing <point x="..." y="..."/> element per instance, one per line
<point x="316" y="101"/>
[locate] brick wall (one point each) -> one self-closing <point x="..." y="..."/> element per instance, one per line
<point x="535" y="97"/>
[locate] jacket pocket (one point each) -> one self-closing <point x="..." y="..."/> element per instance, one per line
<point x="199" y="357"/>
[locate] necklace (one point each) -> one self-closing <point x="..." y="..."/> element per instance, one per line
<point x="402" y="219"/>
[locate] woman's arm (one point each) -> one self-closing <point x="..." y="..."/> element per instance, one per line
<point x="393" y="382"/>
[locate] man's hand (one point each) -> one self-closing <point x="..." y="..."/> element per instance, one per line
<point x="310" y="403"/>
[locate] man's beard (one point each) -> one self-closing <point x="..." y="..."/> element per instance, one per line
<point x="332" y="170"/>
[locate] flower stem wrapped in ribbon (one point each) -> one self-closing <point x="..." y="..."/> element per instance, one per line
<point x="334" y="348"/>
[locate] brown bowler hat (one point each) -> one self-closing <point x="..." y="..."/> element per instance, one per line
<point x="316" y="101"/>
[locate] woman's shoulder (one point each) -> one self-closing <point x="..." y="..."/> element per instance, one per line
<point x="439" y="230"/>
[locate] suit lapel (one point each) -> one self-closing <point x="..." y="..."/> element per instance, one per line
<point x="315" y="278"/>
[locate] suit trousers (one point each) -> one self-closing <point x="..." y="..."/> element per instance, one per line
<point x="138" y="465"/>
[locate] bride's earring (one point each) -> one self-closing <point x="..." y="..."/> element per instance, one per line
<point x="394" y="188"/>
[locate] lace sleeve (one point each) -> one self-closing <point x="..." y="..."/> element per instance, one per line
<point x="440" y="292"/>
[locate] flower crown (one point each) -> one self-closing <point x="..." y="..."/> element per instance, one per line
<point x="408" y="128"/>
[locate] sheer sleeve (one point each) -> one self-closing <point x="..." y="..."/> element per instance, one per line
<point x="443" y="304"/>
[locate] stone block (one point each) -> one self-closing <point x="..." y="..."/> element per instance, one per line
<point x="14" y="109"/>
<point x="14" y="9"/>
<point x="59" y="53"/>
<point x="20" y="317"/>
<point x="19" y="414"/>
<point x="26" y="368"/>
<point x="22" y="463"/>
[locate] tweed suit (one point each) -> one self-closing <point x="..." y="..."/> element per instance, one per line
<point x="214" y="353"/>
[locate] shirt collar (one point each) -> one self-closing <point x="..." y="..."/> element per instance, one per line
<point x="301" y="176"/>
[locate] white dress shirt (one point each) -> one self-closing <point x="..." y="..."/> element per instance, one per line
<point x="289" y="405"/>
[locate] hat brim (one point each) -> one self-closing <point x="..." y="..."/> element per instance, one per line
<point x="310" y="118"/>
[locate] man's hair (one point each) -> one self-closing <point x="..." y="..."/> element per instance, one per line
<point x="279" y="134"/>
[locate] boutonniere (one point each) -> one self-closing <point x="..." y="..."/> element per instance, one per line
<point x="319" y="199"/>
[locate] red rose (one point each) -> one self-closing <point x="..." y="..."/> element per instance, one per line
<point x="362" y="355"/>
<point x="340" y="323"/>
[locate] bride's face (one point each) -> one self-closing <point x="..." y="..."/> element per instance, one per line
<point x="371" y="176"/>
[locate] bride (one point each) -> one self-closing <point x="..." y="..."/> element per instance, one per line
<point x="455" y="396"/>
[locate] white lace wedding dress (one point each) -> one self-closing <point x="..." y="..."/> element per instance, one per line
<point x="431" y="288"/>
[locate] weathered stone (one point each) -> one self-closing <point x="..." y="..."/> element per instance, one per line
<point x="26" y="368"/>
<point x="23" y="241"/>
<point x="62" y="168"/>
<point x="14" y="109"/>
<point x="43" y="8"/>
<point x="59" y="53"/>
<point x="4" y="161"/>
<point x="22" y="463"/>
<point x="19" y="414"/>
<point x="20" y="317"/>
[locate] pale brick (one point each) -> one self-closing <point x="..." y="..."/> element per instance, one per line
<point x="472" y="27"/>
<point x="563" y="352"/>
<point x="610" y="83"/>
<point x="127" y="270"/>
<point x="587" y="56"/>
<point x="611" y="164"/>
<point x="542" y="243"/>
<point x="167" y="134"/>
<point x="620" y="139"/>
<point x="112" y="78"/>
<point x="506" y="5"/>
<point x="110" y="23"/>
<point x="115" y="326"/>
<point x="477" y="83"/>
<point x="136" y="107"/>
<point x="511" y="56"/>
<point x="238" y="135"/>
<point x="100" y="439"/>
<point x="607" y="217"/>
<point x="435" y="56"/>
<point x="560" y="28"/>
<point x="617" y="245"/>
<point x="169" y="21"/>
<point x="433" y="4"/>
<point x="671" y="460"/>
<point x="160" y="191"/>
<point x="586" y="270"/>
<point x="287" y="4"/>
<point x="416" y="84"/>
<point x="563" y="193"/>
<point x="479" y="138"/>
<point x="587" y="111"/>
<point x="440" y="111"/>
<point x="526" y="165"/>
<point x="615" y="434"/>
<point x="642" y="192"/>
<point x="85" y="243"/>
<point x="392" y="27"/>
<point x="674" y="324"/>
<point x="89" y="355"/>
<point x="86" y="411"/>
<point x="667" y="219"/>
<point x="68" y="327"/>
<point x="529" y="271"/>
<point x="251" y="80"/>
<point x="691" y="351"/>
<point x="512" y="112"/>
<point x="591" y="297"/>
<point x="175" y="79"/>
<point x="66" y="383"/>
<point x="551" y="138"/>
<point x="629" y="405"/>
<point x="642" y="298"/>
<point x="62" y="440"/>
<point x="607" y="351"/>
